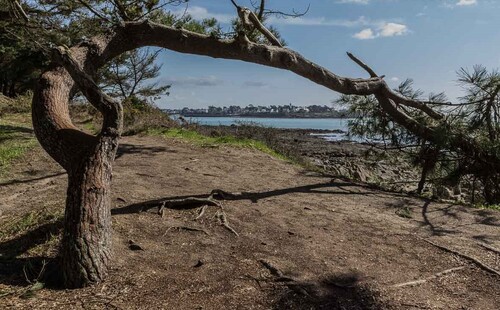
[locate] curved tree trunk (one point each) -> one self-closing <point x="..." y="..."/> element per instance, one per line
<point x="86" y="244"/>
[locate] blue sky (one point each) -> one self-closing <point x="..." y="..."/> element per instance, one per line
<point x="427" y="40"/>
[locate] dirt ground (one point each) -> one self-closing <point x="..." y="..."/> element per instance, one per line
<point x="306" y="241"/>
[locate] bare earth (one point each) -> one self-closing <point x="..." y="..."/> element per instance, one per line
<point x="306" y="241"/>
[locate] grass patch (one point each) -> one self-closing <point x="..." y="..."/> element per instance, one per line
<point x="487" y="207"/>
<point x="404" y="212"/>
<point x="207" y="141"/>
<point x="20" y="104"/>
<point x="29" y="221"/>
<point x="16" y="137"/>
<point x="34" y="234"/>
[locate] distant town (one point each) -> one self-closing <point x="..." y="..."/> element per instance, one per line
<point x="312" y="111"/>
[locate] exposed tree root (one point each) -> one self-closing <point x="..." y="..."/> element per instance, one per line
<point x="293" y="284"/>
<point x="490" y="248"/>
<point x="273" y="269"/>
<point x="435" y="276"/>
<point x="478" y="263"/>
<point x="211" y="200"/>
<point x="223" y="221"/>
<point x="201" y="212"/>
<point x="186" y="228"/>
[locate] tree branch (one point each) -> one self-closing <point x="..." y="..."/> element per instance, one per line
<point x="110" y="108"/>
<point x="397" y="97"/>
<point x="131" y="35"/>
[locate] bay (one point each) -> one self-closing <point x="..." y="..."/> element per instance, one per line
<point x="287" y="123"/>
<point x="339" y="125"/>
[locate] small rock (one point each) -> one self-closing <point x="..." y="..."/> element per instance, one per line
<point x="199" y="264"/>
<point x="134" y="246"/>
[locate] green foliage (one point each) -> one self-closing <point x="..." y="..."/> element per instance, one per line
<point x="475" y="117"/>
<point x="20" y="62"/>
<point x="373" y="123"/>
<point x="481" y="103"/>
<point x="129" y="76"/>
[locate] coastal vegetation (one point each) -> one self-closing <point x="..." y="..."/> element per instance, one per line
<point x="289" y="111"/>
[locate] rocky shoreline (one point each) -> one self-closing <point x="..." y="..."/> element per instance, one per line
<point x="365" y="162"/>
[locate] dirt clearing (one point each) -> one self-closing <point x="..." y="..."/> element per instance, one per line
<point x="306" y="241"/>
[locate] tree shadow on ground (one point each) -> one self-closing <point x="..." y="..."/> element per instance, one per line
<point x="435" y="217"/>
<point x="341" y="291"/>
<point x="15" y="270"/>
<point x="10" y="132"/>
<point x="12" y="129"/>
<point x="127" y="149"/>
<point x="325" y="188"/>
<point x="17" y="181"/>
<point x="369" y="186"/>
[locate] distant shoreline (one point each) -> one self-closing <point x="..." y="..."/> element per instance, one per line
<point x="265" y="116"/>
<point x="302" y="131"/>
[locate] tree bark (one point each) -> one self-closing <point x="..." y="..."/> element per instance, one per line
<point x="86" y="244"/>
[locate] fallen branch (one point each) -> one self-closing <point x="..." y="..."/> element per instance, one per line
<point x="479" y="263"/>
<point x="435" y="276"/>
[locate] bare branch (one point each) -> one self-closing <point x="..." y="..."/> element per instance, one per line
<point x="91" y="9"/>
<point x="235" y="4"/>
<point x="259" y="26"/>
<point x="362" y="65"/>
<point x="397" y="97"/>
<point x="261" y="9"/>
<point x="21" y="11"/>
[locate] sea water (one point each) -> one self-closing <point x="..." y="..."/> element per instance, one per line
<point x="334" y="124"/>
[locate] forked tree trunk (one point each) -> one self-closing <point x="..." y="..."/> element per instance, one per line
<point x="86" y="244"/>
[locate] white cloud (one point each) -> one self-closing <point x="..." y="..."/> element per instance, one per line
<point x="321" y="21"/>
<point x="365" y="34"/>
<point x="193" y="81"/>
<point x="255" y="84"/>
<point x="393" y="29"/>
<point x="466" y="2"/>
<point x="354" y="1"/>
<point x="395" y="79"/>
<point x="198" y="12"/>
<point x="372" y="28"/>
<point x="383" y="30"/>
